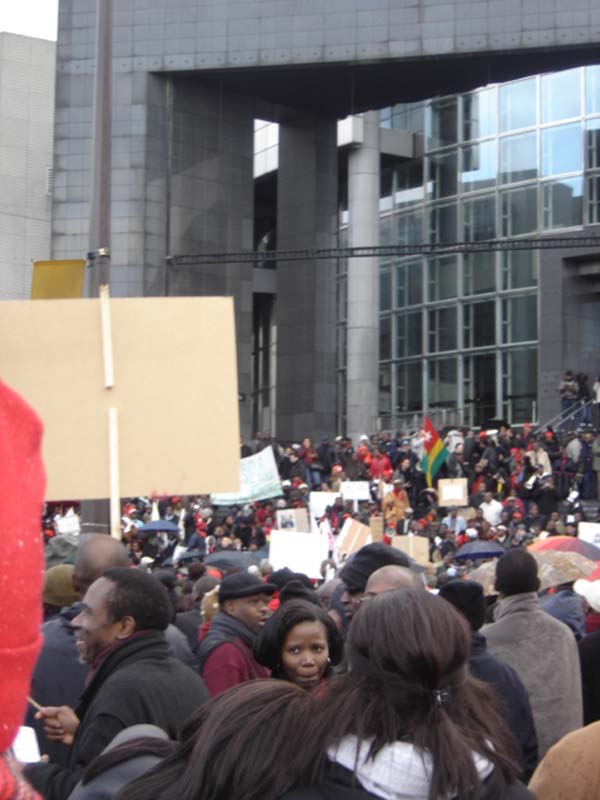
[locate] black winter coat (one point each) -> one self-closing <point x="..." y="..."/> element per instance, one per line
<point x="338" y="784"/>
<point x="589" y="655"/>
<point x="514" y="706"/>
<point x="139" y="682"/>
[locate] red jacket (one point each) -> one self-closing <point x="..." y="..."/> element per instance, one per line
<point x="381" y="467"/>
<point x="228" y="665"/>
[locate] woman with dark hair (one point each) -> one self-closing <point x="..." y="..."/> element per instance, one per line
<point x="242" y="744"/>
<point x="408" y="721"/>
<point x="299" y="643"/>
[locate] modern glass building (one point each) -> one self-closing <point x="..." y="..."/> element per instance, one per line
<point x="463" y="332"/>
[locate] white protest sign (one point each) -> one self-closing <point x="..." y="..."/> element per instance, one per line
<point x="319" y="502"/>
<point x="301" y="552"/>
<point x="259" y="480"/>
<point x="70" y="523"/>
<point x="352" y="537"/>
<point x="356" y="490"/>
<point x="589" y="532"/>
<point x="453" y="492"/>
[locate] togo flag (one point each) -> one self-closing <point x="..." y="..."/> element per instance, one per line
<point x="435" y="452"/>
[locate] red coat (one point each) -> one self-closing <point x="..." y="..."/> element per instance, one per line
<point x="228" y="665"/>
<point x="381" y="467"/>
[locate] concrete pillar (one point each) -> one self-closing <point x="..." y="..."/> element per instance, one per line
<point x="363" y="281"/>
<point x="305" y="310"/>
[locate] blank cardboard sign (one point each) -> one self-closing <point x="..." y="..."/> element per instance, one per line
<point x="175" y="390"/>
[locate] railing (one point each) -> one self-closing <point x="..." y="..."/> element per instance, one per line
<point x="449" y="417"/>
<point x="574" y="414"/>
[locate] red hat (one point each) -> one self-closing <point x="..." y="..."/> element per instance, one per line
<point x="22" y="565"/>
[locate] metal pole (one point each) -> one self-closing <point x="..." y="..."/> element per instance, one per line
<point x="95" y="514"/>
<point x="101" y="151"/>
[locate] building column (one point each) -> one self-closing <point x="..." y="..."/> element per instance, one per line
<point x="363" y="281"/>
<point x="305" y="311"/>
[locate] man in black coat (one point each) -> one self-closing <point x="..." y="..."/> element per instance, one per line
<point x="132" y="680"/>
<point x="589" y="655"/>
<point x="468" y="598"/>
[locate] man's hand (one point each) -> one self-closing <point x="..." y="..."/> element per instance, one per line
<point x="60" y="723"/>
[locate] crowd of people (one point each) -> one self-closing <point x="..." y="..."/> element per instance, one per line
<point x="178" y="663"/>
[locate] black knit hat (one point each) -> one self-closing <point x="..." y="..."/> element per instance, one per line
<point x="468" y="598"/>
<point x="367" y="560"/>
<point x="243" y="584"/>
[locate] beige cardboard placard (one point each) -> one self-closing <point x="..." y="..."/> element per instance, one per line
<point x="352" y="537"/>
<point x="376" y="526"/>
<point x="175" y="391"/>
<point x="293" y="519"/>
<point x="453" y="492"/>
<point x="416" y="547"/>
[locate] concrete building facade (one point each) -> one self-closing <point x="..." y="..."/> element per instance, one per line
<point x="26" y="157"/>
<point x="190" y="78"/>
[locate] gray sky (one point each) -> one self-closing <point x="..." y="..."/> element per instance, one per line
<point x="29" y="17"/>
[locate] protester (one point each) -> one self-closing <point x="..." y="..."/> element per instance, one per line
<point x="512" y="698"/>
<point x="59" y="676"/>
<point x="133" y="679"/>
<point x="300" y="643"/>
<point x="540" y="649"/>
<point x="225" y="654"/>
<point x="570" y="769"/>
<point x="407" y="720"/>
<point x="249" y="742"/>
<point x="389" y="579"/>
<point x="358" y="569"/>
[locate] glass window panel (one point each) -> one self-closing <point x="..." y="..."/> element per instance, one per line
<point x="441" y="176"/>
<point x="561" y="150"/>
<point x="385" y="117"/>
<point x="479" y="168"/>
<point x="593" y="200"/>
<point x="409" y="183"/>
<point x="385" y="291"/>
<point x="562" y="203"/>
<point x="519" y="269"/>
<point x="518" y="158"/>
<point x="442" y="278"/>
<point x="409" y="283"/>
<point x="385" y="230"/>
<point x="479" y="273"/>
<point x="480" y="387"/>
<point x="386" y="180"/>
<point x="443" y="390"/>
<point x="479" y="219"/>
<point x="519" y="319"/>
<point x="385" y="338"/>
<point x="479" y="324"/>
<point x="442" y="224"/>
<point x="409" y="227"/>
<point x="592" y="144"/>
<point x="561" y="95"/>
<point x="408" y="117"/>
<point x="519" y="211"/>
<point x="409" y="335"/>
<point x="409" y="379"/>
<point x="592" y="90"/>
<point x="479" y="114"/>
<point x="518" y="105"/>
<point x="385" y="390"/>
<point x="442" y="329"/>
<point x="442" y="123"/>
<point x="519" y="384"/>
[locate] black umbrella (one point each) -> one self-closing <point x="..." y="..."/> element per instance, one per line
<point x="223" y="559"/>
<point x="159" y="525"/>
<point x="479" y="549"/>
